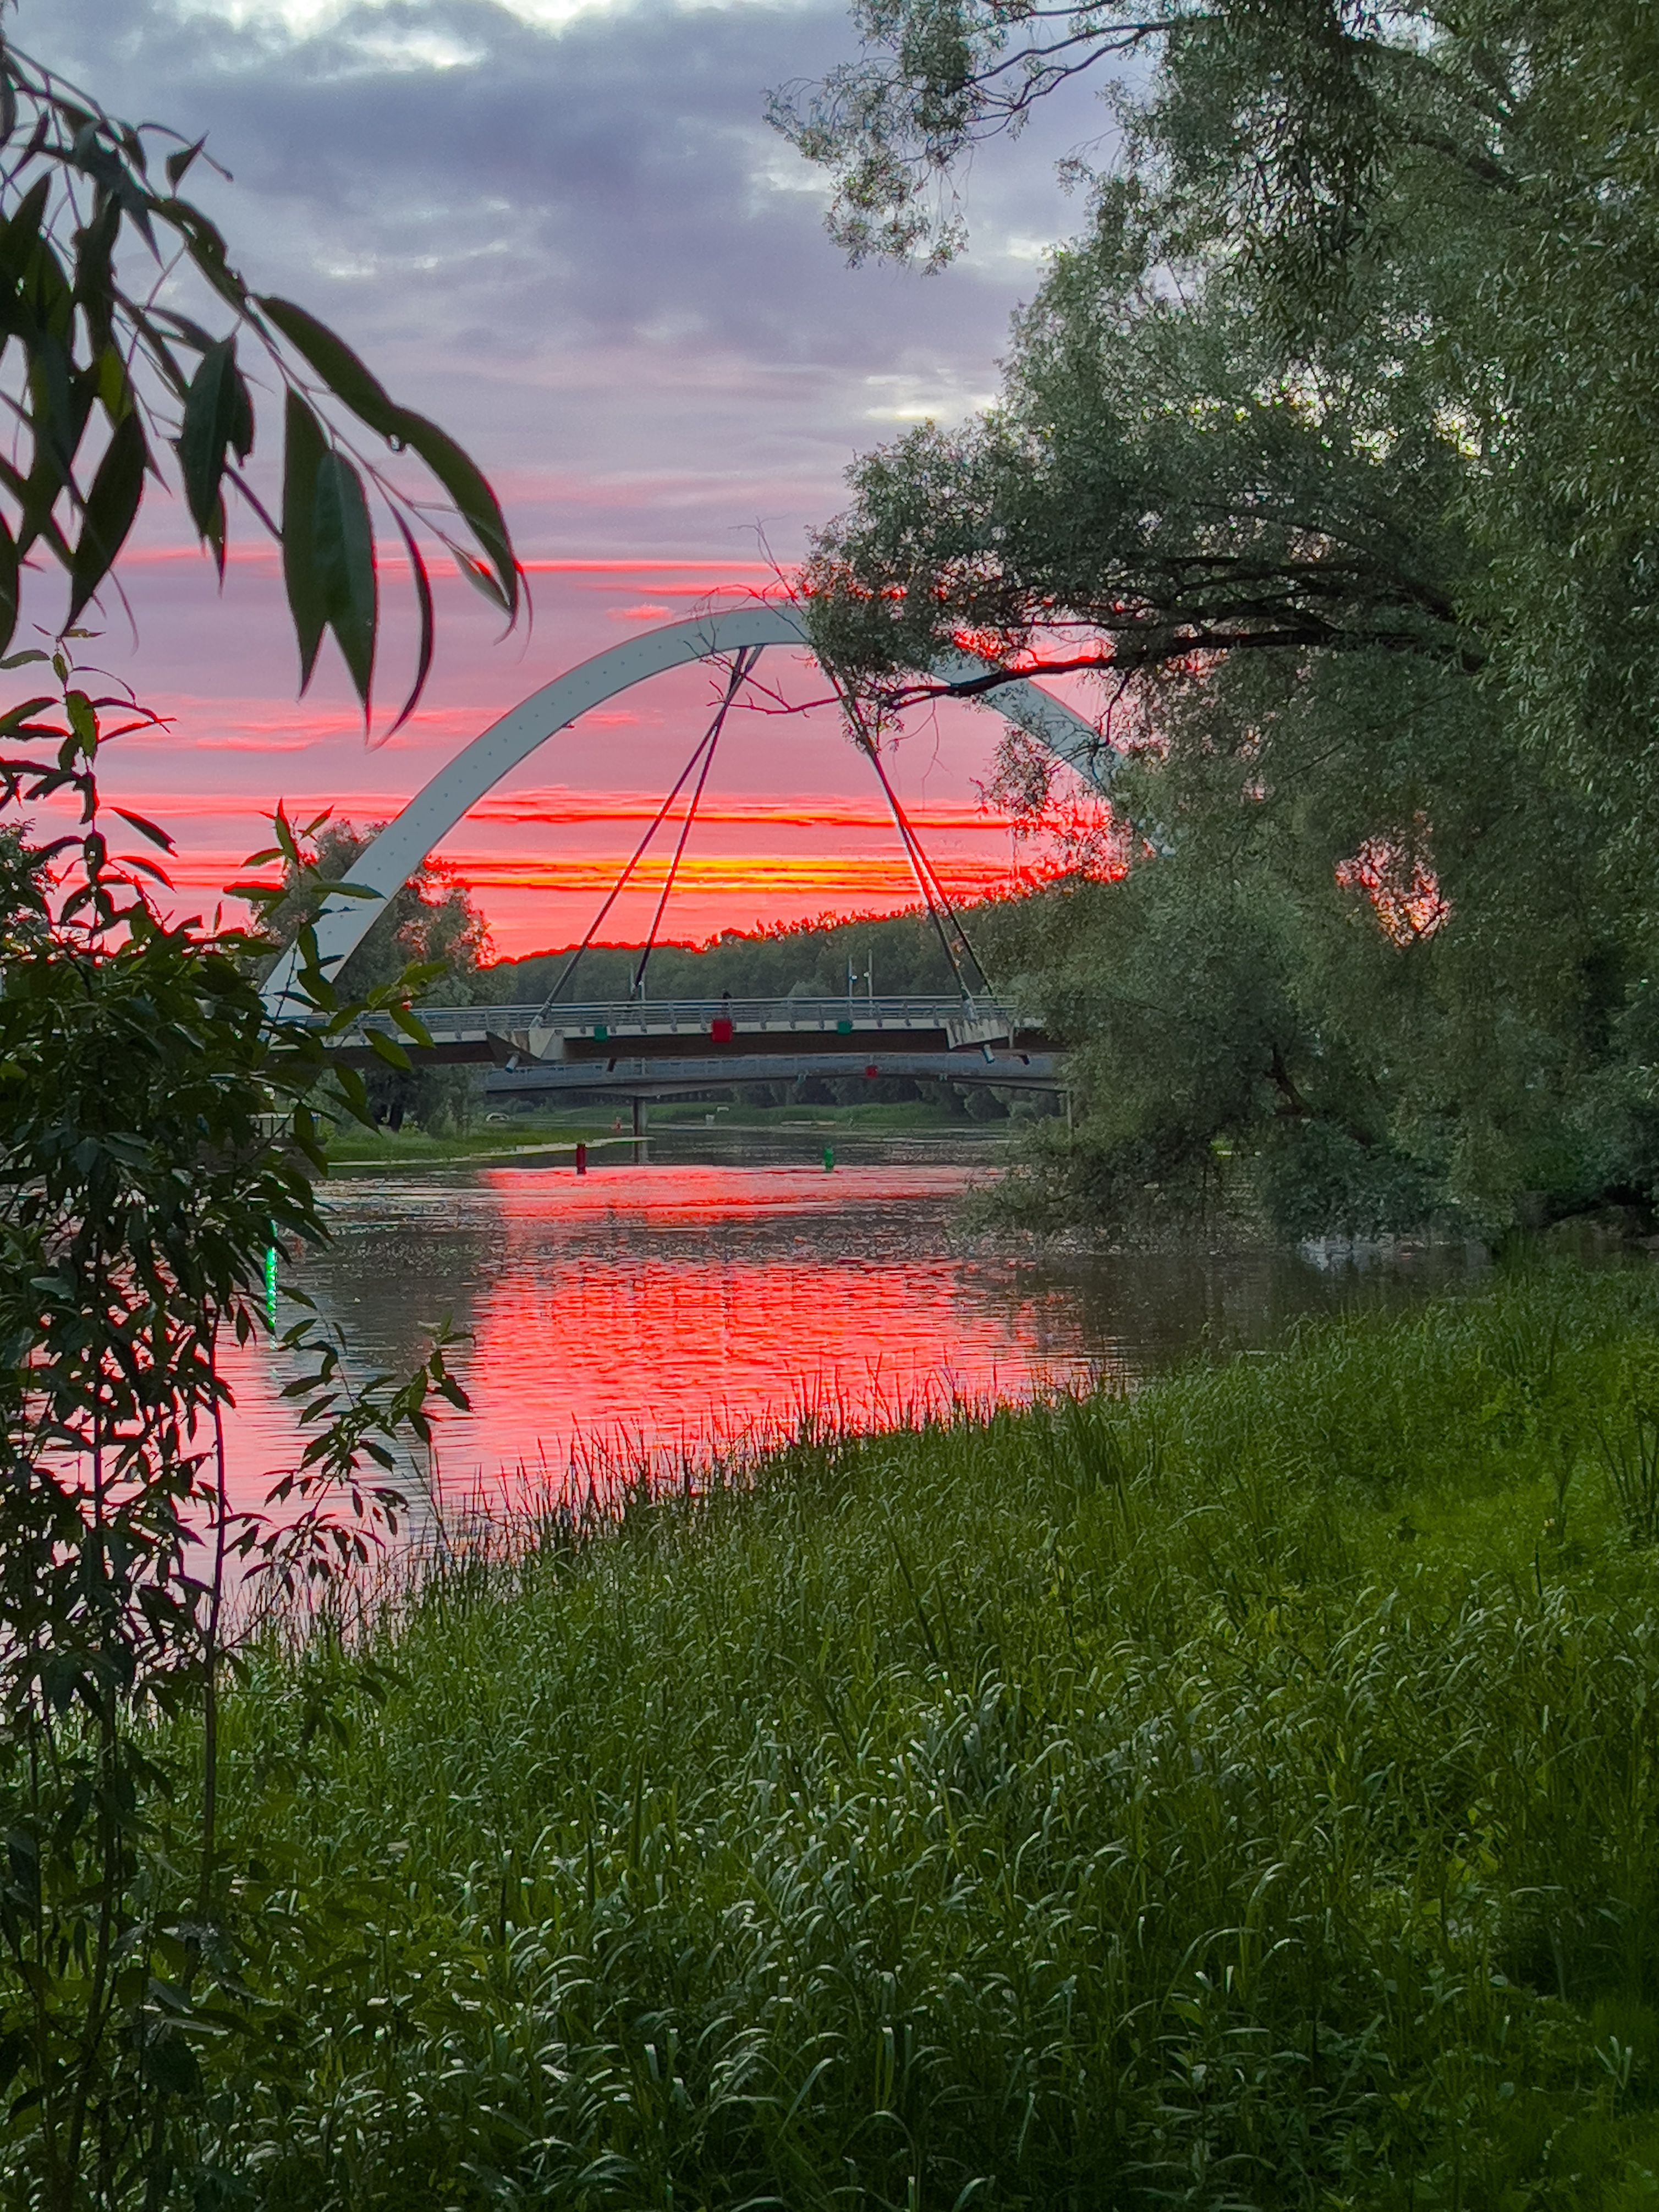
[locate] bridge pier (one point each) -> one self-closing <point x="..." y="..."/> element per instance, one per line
<point x="641" y="1142"/>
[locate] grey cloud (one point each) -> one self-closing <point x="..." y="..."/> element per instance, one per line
<point x="614" y="173"/>
<point x="587" y="239"/>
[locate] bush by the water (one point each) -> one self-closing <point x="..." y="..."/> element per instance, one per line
<point x="1240" y="1795"/>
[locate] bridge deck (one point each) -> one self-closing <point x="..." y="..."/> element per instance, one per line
<point x="604" y="1032"/>
<point x="663" y="1076"/>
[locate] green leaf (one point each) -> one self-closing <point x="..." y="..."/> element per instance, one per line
<point x="392" y="1054"/>
<point x="355" y="1095"/>
<point x="60" y="401"/>
<point x="114" y="387"/>
<point x="347" y="378"/>
<point x="354" y="383"/>
<point x="284" y="829"/>
<point x="343" y="547"/>
<point x="146" y="827"/>
<point x="20" y="234"/>
<point x="218" y="416"/>
<point x="95" y="276"/>
<point x="10" y="566"/>
<point x="146" y="868"/>
<point x="423" y="601"/>
<point x="111" y="505"/>
<point x="473" y="499"/>
<point x="241" y="416"/>
<point x="412" y="1024"/>
<point x="81" y="721"/>
<point x="178" y="165"/>
<point x="191" y="332"/>
<point x="313" y="982"/>
<point x="303" y="451"/>
<point x="205" y="244"/>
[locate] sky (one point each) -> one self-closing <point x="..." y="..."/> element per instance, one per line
<point x="563" y="229"/>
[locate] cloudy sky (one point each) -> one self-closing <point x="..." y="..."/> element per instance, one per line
<point x="565" y="231"/>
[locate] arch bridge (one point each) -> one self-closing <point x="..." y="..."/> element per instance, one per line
<point x="643" y="1048"/>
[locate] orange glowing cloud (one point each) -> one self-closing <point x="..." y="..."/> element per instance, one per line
<point x="560" y="807"/>
<point x="799" y="830"/>
<point x="739" y="875"/>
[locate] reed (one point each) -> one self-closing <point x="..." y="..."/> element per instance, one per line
<point x="1243" y="1794"/>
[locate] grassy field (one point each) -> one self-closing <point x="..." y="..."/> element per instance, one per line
<point x="1247" y="1795"/>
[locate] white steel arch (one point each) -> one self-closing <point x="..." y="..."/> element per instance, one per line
<point x="442" y="803"/>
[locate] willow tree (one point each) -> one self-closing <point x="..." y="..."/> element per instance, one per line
<point x="1327" y="452"/>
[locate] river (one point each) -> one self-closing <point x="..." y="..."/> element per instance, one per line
<point x="729" y="1289"/>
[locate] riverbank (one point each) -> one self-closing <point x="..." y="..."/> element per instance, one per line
<point x="1243" y="1794"/>
<point x="386" y="1151"/>
<point x="522" y="1136"/>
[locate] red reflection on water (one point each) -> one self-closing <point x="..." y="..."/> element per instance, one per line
<point x="659" y="1312"/>
<point x="689" y="1194"/>
<point x="675" y="1352"/>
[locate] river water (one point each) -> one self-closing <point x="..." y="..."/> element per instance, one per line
<point x="729" y="1289"/>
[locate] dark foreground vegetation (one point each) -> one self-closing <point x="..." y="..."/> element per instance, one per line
<point x="1239" y="1795"/>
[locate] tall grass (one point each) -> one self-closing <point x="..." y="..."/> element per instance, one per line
<point x="1244" y="1795"/>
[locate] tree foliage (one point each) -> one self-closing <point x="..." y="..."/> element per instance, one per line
<point x="899" y="953"/>
<point x="134" y="355"/>
<point x="429" y="927"/>
<point x="1325" y="450"/>
<point x="158" y="1144"/>
<point x="155" y="1141"/>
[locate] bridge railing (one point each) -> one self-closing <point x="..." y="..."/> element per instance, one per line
<point x="697" y="1016"/>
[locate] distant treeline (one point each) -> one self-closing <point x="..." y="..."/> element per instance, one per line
<point x="903" y="952"/>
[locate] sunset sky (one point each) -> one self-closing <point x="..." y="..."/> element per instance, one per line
<point x="564" y="230"/>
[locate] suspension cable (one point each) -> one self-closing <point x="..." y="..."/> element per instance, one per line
<point x="740" y="668"/>
<point x="867" y="746"/>
<point x="703" y="746"/>
<point x="924" y="866"/>
<point x="934" y="895"/>
<point x="620" y="884"/>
